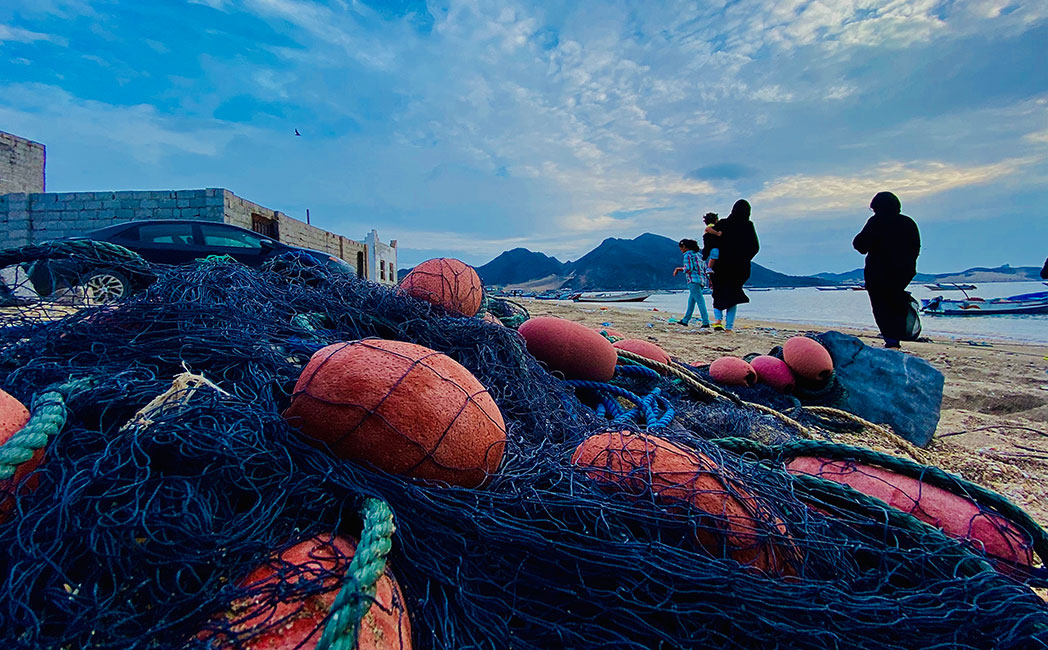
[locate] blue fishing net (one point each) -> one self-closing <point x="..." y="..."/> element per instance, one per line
<point x="143" y="524"/>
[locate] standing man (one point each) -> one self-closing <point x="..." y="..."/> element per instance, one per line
<point x="891" y="243"/>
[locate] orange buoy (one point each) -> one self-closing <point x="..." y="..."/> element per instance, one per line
<point x="953" y="514"/>
<point x="642" y="465"/>
<point x="402" y="408"/>
<point x="287" y="622"/>
<point x="570" y="348"/>
<point x="733" y="371"/>
<point x="644" y="349"/>
<point x="448" y="282"/>
<point x="807" y="358"/>
<point x="774" y="372"/>
<point x="13" y="416"/>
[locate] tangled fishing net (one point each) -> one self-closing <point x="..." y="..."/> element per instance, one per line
<point x="653" y="511"/>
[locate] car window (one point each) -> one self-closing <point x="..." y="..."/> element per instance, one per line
<point x="180" y="234"/>
<point x="229" y="237"/>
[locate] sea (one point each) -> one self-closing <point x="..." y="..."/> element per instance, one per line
<point x="851" y="309"/>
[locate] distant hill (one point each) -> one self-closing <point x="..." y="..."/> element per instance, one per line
<point x="518" y="266"/>
<point x="645" y="262"/>
<point x="1004" y="273"/>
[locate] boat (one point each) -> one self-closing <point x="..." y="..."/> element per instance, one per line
<point x="832" y="288"/>
<point x="950" y="286"/>
<point x="758" y="288"/>
<point x="1026" y="303"/>
<point x="613" y="296"/>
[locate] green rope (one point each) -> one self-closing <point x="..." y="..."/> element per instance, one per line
<point x="47" y="419"/>
<point x="367" y="567"/>
<point x="927" y="474"/>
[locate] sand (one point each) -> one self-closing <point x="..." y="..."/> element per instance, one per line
<point x="993" y="428"/>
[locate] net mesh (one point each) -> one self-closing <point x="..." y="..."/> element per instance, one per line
<point x="595" y="531"/>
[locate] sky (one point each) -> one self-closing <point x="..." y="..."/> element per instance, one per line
<point x="465" y="128"/>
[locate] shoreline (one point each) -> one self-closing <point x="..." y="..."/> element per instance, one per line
<point x="993" y="426"/>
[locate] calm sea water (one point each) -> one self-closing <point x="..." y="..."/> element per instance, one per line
<point x="852" y="309"/>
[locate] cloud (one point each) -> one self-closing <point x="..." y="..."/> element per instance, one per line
<point x="10" y="34"/>
<point x="801" y="195"/>
<point x="140" y="131"/>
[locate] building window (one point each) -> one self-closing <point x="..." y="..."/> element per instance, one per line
<point x="382" y="269"/>
<point x="360" y="264"/>
<point x="265" y="226"/>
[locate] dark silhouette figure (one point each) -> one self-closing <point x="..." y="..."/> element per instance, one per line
<point x="1044" y="271"/>
<point x="709" y="241"/>
<point x="891" y="243"/>
<point x="738" y="245"/>
<point x="297" y="133"/>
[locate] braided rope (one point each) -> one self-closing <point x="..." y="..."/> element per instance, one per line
<point x="892" y="437"/>
<point x="367" y="567"/>
<point x="47" y="419"/>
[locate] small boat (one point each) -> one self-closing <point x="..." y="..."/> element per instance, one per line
<point x="832" y="288"/>
<point x="950" y="286"/>
<point x="758" y="288"/>
<point x="858" y="287"/>
<point x="1026" y="303"/>
<point x="613" y="296"/>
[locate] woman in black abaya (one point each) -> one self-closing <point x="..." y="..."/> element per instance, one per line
<point x="737" y="241"/>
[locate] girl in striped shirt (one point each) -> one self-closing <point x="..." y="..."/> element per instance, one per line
<point x="695" y="277"/>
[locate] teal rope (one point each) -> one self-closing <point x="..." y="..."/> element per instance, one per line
<point x="927" y="474"/>
<point x="367" y="567"/>
<point x="47" y="419"/>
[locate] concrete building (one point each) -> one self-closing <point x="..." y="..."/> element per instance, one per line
<point x="29" y="215"/>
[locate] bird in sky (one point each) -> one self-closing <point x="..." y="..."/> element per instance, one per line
<point x="297" y="133"/>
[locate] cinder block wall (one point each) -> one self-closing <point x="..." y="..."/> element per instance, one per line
<point x="21" y="165"/>
<point x="294" y="232"/>
<point x="33" y="218"/>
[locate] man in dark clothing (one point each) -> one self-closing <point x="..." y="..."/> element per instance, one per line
<point x="891" y="242"/>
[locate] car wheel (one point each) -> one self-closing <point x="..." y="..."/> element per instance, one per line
<point x="105" y="287"/>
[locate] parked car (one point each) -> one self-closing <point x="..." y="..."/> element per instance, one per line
<point x="167" y="241"/>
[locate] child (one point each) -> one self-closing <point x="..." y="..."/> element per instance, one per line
<point x="695" y="277"/>
<point x="710" y="253"/>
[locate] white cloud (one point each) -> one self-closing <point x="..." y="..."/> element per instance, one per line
<point x="10" y="34"/>
<point x="801" y="195"/>
<point x="140" y="131"/>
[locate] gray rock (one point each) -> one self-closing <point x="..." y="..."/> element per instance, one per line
<point x="887" y="386"/>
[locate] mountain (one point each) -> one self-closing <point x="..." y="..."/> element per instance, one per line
<point x="518" y="266"/>
<point x="1004" y="273"/>
<point x="645" y="262"/>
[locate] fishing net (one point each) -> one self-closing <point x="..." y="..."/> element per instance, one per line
<point x="649" y="512"/>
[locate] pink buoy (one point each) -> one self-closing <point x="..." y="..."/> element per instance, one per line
<point x="953" y="514"/>
<point x="775" y="373"/>
<point x="733" y="371"/>
<point x="569" y="347"/>
<point x="807" y="358"/>
<point x="644" y="349"/>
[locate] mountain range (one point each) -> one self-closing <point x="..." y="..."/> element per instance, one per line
<point x="647" y="262"/>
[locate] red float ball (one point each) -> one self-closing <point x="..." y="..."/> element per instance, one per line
<point x="13" y="416"/>
<point x="807" y="358"/>
<point x="644" y="349"/>
<point x="774" y="372"/>
<point x="445" y="281"/>
<point x="402" y="408"/>
<point x="733" y="371"/>
<point x="296" y="622"/>
<point x="955" y="515"/>
<point x="645" y="466"/>
<point x="570" y="348"/>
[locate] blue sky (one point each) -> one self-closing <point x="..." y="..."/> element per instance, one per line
<point x="466" y="128"/>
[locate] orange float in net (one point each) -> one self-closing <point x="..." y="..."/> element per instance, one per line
<point x="280" y="619"/>
<point x="402" y="408"/>
<point x="448" y="282"/>
<point x="13" y="416"/>
<point x="643" y="465"/>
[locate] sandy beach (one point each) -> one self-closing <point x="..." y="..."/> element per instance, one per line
<point x="993" y="428"/>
